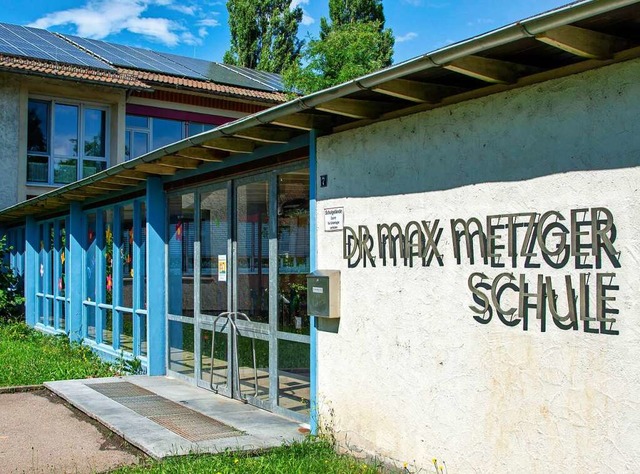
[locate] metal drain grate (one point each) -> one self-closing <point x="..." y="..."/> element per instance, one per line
<point x="119" y="389"/>
<point x="195" y="426"/>
<point x="183" y="421"/>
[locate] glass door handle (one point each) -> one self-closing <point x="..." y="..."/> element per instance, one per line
<point x="226" y="315"/>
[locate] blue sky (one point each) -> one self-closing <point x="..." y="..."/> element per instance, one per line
<point x="198" y="28"/>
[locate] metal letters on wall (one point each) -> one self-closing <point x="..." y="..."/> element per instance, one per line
<point x="582" y="241"/>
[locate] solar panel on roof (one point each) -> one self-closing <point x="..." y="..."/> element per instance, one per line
<point x="16" y="40"/>
<point x="129" y="56"/>
<point x="270" y="80"/>
<point x="215" y="72"/>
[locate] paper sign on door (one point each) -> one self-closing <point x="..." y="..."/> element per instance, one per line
<point x="222" y="268"/>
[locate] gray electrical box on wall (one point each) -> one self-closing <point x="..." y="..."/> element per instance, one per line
<point x="323" y="294"/>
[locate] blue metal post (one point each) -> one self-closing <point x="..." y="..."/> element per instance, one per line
<point x="30" y="272"/>
<point x="313" y="382"/>
<point x="116" y="276"/>
<point x="156" y="271"/>
<point x="74" y="269"/>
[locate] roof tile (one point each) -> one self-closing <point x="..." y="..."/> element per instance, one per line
<point x="68" y="71"/>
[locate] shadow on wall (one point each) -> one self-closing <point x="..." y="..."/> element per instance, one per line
<point x="586" y="122"/>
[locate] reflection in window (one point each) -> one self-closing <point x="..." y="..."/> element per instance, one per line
<point x="72" y="140"/>
<point x="166" y="131"/>
<point x="181" y="244"/>
<point x="293" y="251"/>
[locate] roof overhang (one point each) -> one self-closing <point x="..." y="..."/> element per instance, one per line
<point x="575" y="38"/>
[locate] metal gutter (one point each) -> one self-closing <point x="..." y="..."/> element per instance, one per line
<point x="510" y="33"/>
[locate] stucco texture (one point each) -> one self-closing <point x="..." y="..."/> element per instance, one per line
<point x="408" y="374"/>
<point x="9" y="139"/>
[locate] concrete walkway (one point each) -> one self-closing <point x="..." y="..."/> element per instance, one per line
<point x="39" y="433"/>
<point x="254" y="428"/>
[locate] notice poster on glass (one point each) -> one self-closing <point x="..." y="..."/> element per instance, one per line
<point x="222" y="268"/>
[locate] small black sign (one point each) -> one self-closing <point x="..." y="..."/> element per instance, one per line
<point x="323" y="181"/>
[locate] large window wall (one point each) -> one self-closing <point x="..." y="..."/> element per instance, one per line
<point x="66" y="141"/>
<point x="115" y="302"/>
<point x="144" y="134"/>
<point x="238" y="256"/>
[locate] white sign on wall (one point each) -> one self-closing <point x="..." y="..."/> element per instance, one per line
<point x="333" y="219"/>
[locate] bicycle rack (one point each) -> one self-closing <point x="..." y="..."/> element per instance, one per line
<point x="231" y="317"/>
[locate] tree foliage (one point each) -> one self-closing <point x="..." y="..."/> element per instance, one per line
<point x="353" y="42"/>
<point x="348" y="51"/>
<point x="263" y="34"/>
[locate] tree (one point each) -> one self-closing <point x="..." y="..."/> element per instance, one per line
<point x="263" y="34"/>
<point x="352" y="44"/>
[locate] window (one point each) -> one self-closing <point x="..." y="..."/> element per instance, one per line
<point x="144" y="134"/>
<point x="65" y="141"/>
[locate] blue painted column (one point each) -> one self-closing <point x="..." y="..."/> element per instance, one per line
<point x="30" y="271"/>
<point x="116" y="276"/>
<point x="313" y="376"/>
<point x="156" y="272"/>
<point x="74" y="269"/>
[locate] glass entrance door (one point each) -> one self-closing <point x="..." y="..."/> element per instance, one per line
<point x="238" y="256"/>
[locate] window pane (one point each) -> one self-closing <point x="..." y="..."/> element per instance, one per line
<point x="140" y="144"/>
<point x="38" y="129"/>
<point x="90" y="167"/>
<point x="65" y="171"/>
<point x="214" y="232"/>
<point x="181" y="239"/>
<point x="126" y="253"/>
<point x="294" y="375"/>
<point x="293" y="251"/>
<point x="196" y="128"/>
<point x="127" y="146"/>
<point x="65" y="134"/>
<point x="142" y="280"/>
<point x="165" y="132"/>
<point x="37" y="169"/>
<point x="90" y="262"/>
<point x="252" y="217"/>
<point x="94" y="132"/>
<point x="137" y="121"/>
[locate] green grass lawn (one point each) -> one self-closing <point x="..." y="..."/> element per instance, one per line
<point x="30" y="357"/>
<point x="308" y="457"/>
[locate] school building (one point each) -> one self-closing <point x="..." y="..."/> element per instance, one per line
<point x="469" y="220"/>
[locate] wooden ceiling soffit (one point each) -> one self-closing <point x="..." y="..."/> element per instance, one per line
<point x="489" y="70"/>
<point x="304" y="121"/>
<point x="121" y="180"/>
<point x="230" y="144"/>
<point x="133" y="174"/>
<point x="203" y="154"/>
<point x="267" y="134"/>
<point x="582" y="42"/>
<point x="415" y="91"/>
<point x="354" y="108"/>
<point x="179" y="162"/>
<point x="75" y="195"/>
<point x="153" y="168"/>
<point x="106" y="186"/>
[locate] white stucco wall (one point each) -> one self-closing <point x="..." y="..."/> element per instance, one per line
<point x="408" y="374"/>
<point x="10" y="120"/>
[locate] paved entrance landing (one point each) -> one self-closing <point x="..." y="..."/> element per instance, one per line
<point x="163" y="416"/>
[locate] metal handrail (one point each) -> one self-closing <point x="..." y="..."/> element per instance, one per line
<point x="230" y="316"/>
<point x="255" y="364"/>
<point x="213" y="346"/>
